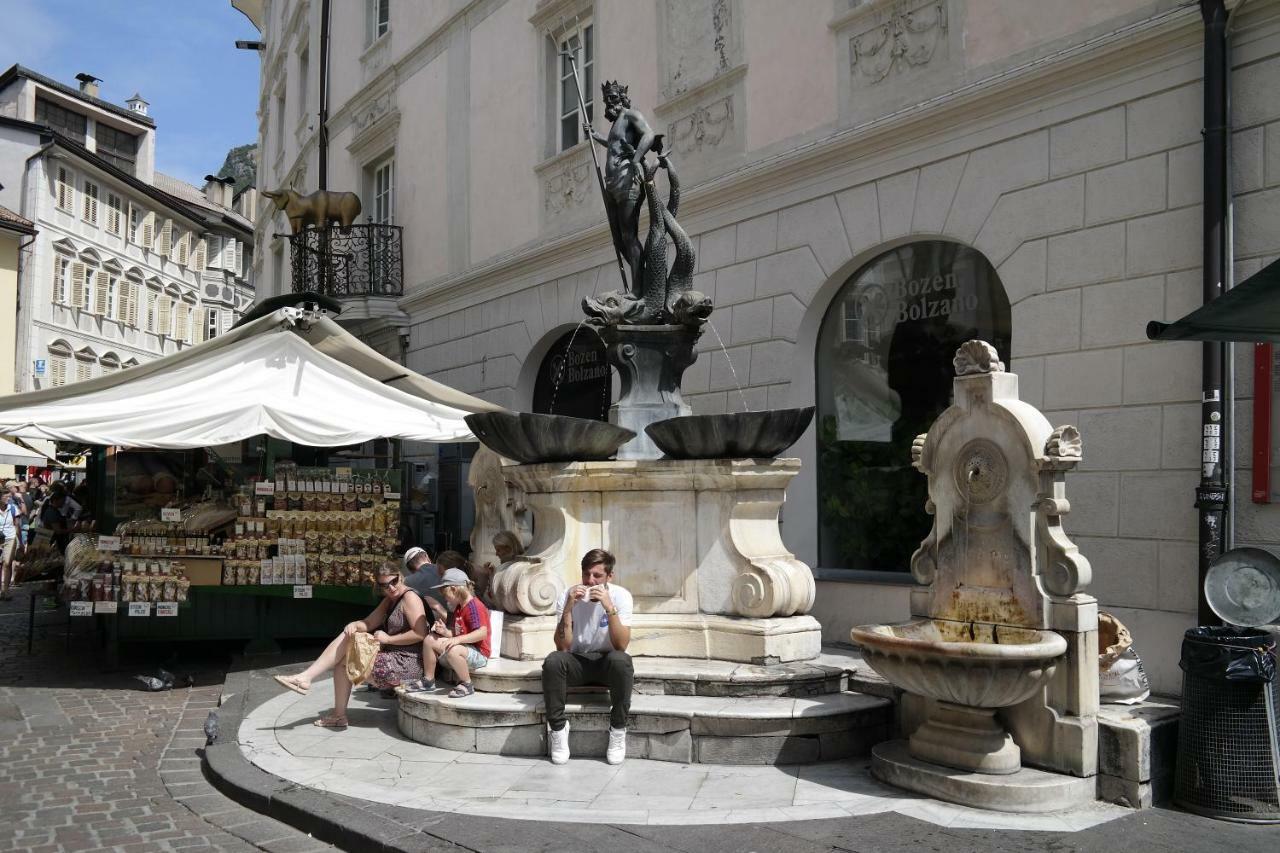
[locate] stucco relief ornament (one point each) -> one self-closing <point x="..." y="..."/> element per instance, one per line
<point x="706" y="125"/>
<point x="373" y="111"/>
<point x="907" y="38"/>
<point x="568" y="188"/>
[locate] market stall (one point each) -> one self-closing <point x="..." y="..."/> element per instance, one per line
<point x="220" y="505"/>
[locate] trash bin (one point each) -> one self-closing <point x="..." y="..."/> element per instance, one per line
<point x="1229" y="733"/>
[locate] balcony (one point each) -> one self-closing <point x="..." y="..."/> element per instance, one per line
<point x="364" y="261"/>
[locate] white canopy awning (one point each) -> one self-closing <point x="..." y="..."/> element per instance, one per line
<point x="16" y="454"/>
<point x="291" y="375"/>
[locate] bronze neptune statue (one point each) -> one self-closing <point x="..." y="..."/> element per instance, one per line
<point x="657" y="295"/>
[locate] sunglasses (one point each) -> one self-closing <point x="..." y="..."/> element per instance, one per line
<point x="388" y="584"/>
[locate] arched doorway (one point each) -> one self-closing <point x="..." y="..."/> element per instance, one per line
<point x="574" y="377"/>
<point x="883" y="375"/>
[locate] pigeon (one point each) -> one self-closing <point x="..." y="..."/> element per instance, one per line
<point x="154" y="685"/>
<point x="167" y="677"/>
<point x="211" y="728"/>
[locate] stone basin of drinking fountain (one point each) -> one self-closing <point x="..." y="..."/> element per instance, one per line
<point x="970" y="669"/>
<point x="529" y="438"/>
<point x="737" y="435"/>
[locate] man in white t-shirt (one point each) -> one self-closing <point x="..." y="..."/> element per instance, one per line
<point x="593" y="629"/>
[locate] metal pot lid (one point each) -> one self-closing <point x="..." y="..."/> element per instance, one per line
<point x="1243" y="587"/>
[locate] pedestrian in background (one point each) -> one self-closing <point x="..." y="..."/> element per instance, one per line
<point x="10" y="515"/>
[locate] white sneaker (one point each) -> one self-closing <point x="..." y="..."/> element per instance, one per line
<point x="560" y="745"/>
<point x="617" y="746"/>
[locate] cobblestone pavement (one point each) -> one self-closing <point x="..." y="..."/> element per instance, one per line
<point x="90" y="761"/>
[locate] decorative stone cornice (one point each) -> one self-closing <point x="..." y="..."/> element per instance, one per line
<point x="547" y="17"/>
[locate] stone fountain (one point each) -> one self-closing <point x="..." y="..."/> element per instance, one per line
<point x="696" y="539"/>
<point x="689" y="507"/>
<point x="999" y="663"/>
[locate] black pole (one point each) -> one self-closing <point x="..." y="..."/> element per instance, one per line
<point x="322" y="168"/>
<point x="1211" y="495"/>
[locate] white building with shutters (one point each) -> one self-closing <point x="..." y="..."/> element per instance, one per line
<point x="129" y="264"/>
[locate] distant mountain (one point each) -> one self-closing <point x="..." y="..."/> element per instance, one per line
<point x="242" y="164"/>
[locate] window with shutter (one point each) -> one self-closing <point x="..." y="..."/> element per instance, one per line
<point x="229" y="254"/>
<point x="164" y="321"/>
<point x="135" y="296"/>
<point x="148" y="230"/>
<point x="135" y="220"/>
<point x="57" y="371"/>
<point x="215" y="252"/>
<point x="212" y="323"/>
<point x="124" y="295"/>
<point x="239" y="267"/>
<point x="84" y="370"/>
<point x="165" y="243"/>
<point x="114" y="208"/>
<point x="77" y="284"/>
<point x="61" y="281"/>
<point x="90" y="211"/>
<point x="183" y="242"/>
<point x="152" y="303"/>
<point x="101" y="294"/>
<point x="197" y="257"/>
<point x="66" y="194"/>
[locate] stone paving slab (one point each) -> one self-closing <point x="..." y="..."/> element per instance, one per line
<point x="372" y="761"/>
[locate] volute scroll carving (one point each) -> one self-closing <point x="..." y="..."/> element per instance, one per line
<point x="1064" y="570"/>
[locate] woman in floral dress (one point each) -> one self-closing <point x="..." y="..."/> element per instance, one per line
<point x="399" y="623"/>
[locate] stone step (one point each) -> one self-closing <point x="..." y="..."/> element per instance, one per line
<point x="828" y="673"/>
<point x="689" y="729"/>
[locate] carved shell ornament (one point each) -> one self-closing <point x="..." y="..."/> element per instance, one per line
<point x="1064" y="443"/>
<point x="975" y="357"/>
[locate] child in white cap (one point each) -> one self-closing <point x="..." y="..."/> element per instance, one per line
<point x="465" y="648"/>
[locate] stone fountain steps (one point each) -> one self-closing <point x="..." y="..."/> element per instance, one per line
<point x="829" y="673"/>
<point x="688" y="729"/>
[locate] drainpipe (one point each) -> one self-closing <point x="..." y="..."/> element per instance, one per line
<point x="1211" y="495"/>
<point x="19" y="320"/>
<point x="322" y="169"/>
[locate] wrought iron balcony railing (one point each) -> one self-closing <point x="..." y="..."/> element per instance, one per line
<point x="364" y="260"/>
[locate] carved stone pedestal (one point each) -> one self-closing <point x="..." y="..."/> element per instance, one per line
<point x="967" y="739"/>
<point x="650" y="361"/>
<point x="697" y="544"/>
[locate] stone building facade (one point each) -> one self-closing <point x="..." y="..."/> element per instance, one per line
<point x="124" y="266"/>
<point x="851" y="168"/>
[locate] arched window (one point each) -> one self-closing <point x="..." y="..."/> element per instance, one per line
<point x="884" y="374"/>
<point x="574" y="378"/>
<point x="60" y="355"/>
<point x="109" y="362"/>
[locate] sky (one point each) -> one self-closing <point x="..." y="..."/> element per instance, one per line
<point x="180" y="55"/>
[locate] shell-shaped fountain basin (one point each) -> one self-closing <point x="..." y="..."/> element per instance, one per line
<point x="975" y="664"/>
<point x="737" y="435"/>
<point x="529" y="438"/>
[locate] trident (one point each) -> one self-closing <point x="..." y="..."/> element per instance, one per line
<point x="587" y="130"/>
